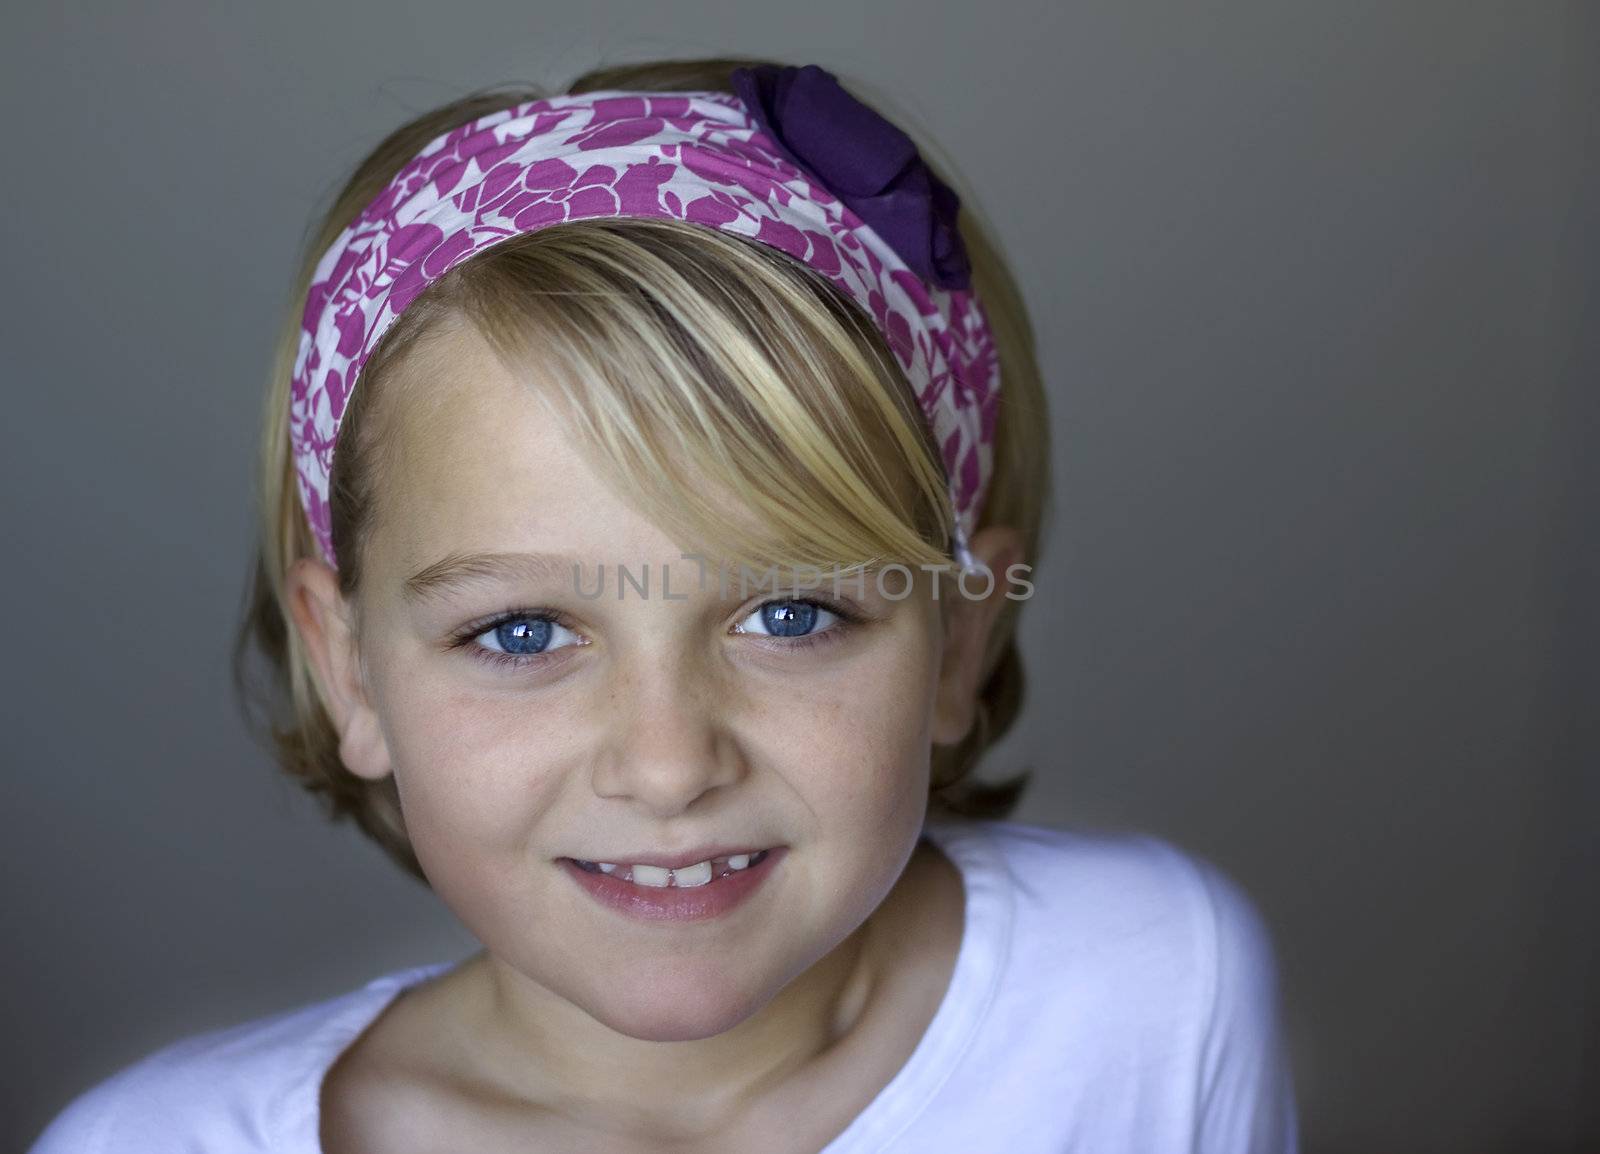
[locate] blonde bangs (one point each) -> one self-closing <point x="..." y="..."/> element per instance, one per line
<point x="736" y="398"/>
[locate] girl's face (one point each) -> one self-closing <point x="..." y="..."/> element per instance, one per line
<point x="526" y="724"/>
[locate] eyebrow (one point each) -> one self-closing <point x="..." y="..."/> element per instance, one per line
<point x="460" y="570"/>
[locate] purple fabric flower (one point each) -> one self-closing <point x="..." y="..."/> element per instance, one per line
<point x="864" y="160"/>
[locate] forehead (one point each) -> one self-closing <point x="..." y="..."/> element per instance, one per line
<point x="478" y="460"/>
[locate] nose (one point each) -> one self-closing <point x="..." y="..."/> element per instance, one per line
<point x="667" y="741"/>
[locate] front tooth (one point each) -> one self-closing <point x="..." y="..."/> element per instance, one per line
<point x="696" y="875"/>
<point x="607" y="867"/>
<point x="649" y="875"/>
<point x="739" y="860"/>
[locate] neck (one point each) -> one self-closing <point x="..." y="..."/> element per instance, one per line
<point x="535" y="1046"/>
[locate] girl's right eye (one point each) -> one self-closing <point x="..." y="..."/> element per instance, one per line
<point x="517" y="639"/>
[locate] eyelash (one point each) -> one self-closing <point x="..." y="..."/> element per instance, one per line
<point x="466" y="638"/>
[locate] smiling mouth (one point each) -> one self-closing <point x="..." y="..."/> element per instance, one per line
<point x="685" y="877"/>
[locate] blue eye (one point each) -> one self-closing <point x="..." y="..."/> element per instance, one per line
<point x="520" y="638"/>
<point x="524" y="635"/>
<point x="786" y="618"/>
<point x="789" y="621"/>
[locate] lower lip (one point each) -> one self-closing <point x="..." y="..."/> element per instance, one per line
<point x="675" y="903"/>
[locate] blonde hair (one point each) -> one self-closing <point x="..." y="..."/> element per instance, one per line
<point x="703" y="361"/>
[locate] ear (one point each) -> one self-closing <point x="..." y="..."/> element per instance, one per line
<point x="971" y="618"/>
<point x="327" y="629"/>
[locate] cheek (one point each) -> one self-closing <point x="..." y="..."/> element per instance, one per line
<point x="858" y="747"/>
<point x="474" y="771"/>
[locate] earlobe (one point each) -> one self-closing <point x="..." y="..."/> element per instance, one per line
<point x="972" y="620"/>
<point x="326" y="626"/>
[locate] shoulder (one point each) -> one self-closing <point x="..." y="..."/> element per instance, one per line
<point x="1161" y="958"/>
<point x="1127" y="897"/>
<point x="229" y="1090"/>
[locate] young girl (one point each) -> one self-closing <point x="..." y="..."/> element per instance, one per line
<point x="652" y="479"/>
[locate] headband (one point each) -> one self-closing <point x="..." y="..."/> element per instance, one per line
<point x="792" y="161"/>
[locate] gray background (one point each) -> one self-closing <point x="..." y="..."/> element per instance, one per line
<point x="1309" y="281"/>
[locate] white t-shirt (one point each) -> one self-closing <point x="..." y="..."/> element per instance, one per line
<point x="1111" y="994"/>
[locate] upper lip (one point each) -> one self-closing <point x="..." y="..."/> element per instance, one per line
<point x="672" y="861"/>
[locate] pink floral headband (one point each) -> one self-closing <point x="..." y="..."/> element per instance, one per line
<point x="792" y="161"/>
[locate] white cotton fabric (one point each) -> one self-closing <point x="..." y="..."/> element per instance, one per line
<point x="1111" y="993"/>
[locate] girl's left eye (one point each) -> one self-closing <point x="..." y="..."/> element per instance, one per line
<point x="792" y="620"/>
